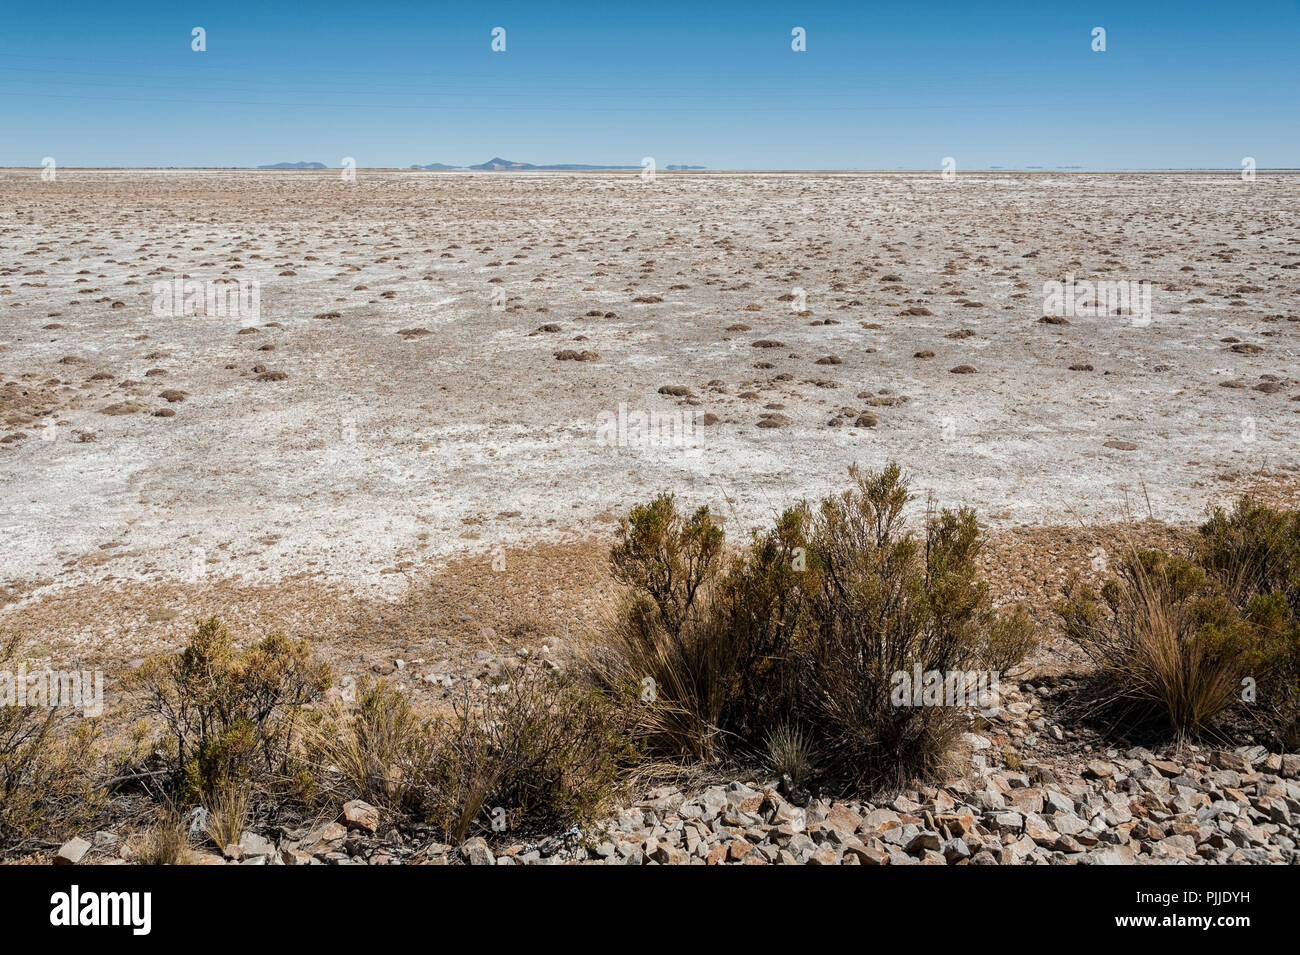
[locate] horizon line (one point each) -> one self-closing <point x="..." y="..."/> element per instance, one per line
<point x="637" y="171"/>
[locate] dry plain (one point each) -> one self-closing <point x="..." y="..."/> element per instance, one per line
<point x="389" y="457"/>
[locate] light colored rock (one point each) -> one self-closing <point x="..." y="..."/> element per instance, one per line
<point x="72" y="851"/>
<point x="476" y="852"/>
<point x="325" y="839"/>
<point x="360" y="816"/>
<point x="1224" y="759"/>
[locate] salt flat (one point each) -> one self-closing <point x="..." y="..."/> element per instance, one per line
<point x="422" y="413"/>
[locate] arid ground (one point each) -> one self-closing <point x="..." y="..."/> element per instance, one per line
<point x="413" y="446"/>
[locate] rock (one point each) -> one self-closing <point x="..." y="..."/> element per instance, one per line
<point x="1026" y="800"/>
<point x="328" y="837"/>
<point x="784" y="814"/>
<point x="1254" y="754"/>
<point x="1036" y="828"/>
<point x="842" y="819"/>
<point x="955" y="850"/>
<point x="72" y="851"/>
<point x="922" y="841"/>
<point x="666" y="854"/>
<point x="360" y="816"/>
<point x="1068" y="824"/>
<point x="714" y="801"/>
<point x="1004" y="821"/>
<point x="1055" y="802"/>
<point x="1225" y="779"/>
<point x="252" y="845"/>
<point x="959" y="823"/>
<point x="476" y="852"/>
<point x="1224" y="759"/>
<point x="738" y="849"/>
<point x="1017" y="852"/>
<point x="1097" y="769"/>
<point x="1114" y="855"/>
<point x="878" y="820"/>
<point x="744" y="799"/>
<point x="867" y="855"/>
<point x="901" y="835"/>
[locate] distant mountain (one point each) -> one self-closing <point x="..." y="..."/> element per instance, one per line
<point x="497" y="164"/>
<point x="295" y="165"/>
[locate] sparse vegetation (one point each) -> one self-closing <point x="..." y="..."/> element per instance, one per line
<point x="48" y="783"/>
<point x="227" y="815"/>
<point x="789" y="754"/>
<point x="779" y="656"/>
<point x="228" y="717"/>
<point x="377" y="753"/>
<point x="1163" y="641"/>
<point x="542" y="750"/>
<point x="802" y="632"/>
<point x="166" y="842"/>
<point x="1184" y="639"/>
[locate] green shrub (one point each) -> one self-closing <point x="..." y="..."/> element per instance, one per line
<point x="668" y="557"/>
<point x="880" y="602"/>
<point x="1254" y="551"/>
<point x="1164" y="641"/>
<point x="803" y="630"/>
<point x="229" y="717"/>
<point x="668" y="651"/>
<point x="380" y="751"/>
<point x="761" y="607"/>
<point x="540" y="752"/>
<point x="1181" y="639"/>
<point x="49" y="784"/>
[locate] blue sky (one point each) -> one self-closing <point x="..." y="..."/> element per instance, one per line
<point x="881" y="86"/>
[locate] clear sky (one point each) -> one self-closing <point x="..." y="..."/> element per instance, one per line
<point x="881" y="85"/>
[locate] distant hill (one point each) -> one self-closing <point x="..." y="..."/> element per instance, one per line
<point x="295" y="165"/>
<point x="497" y="164"/>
